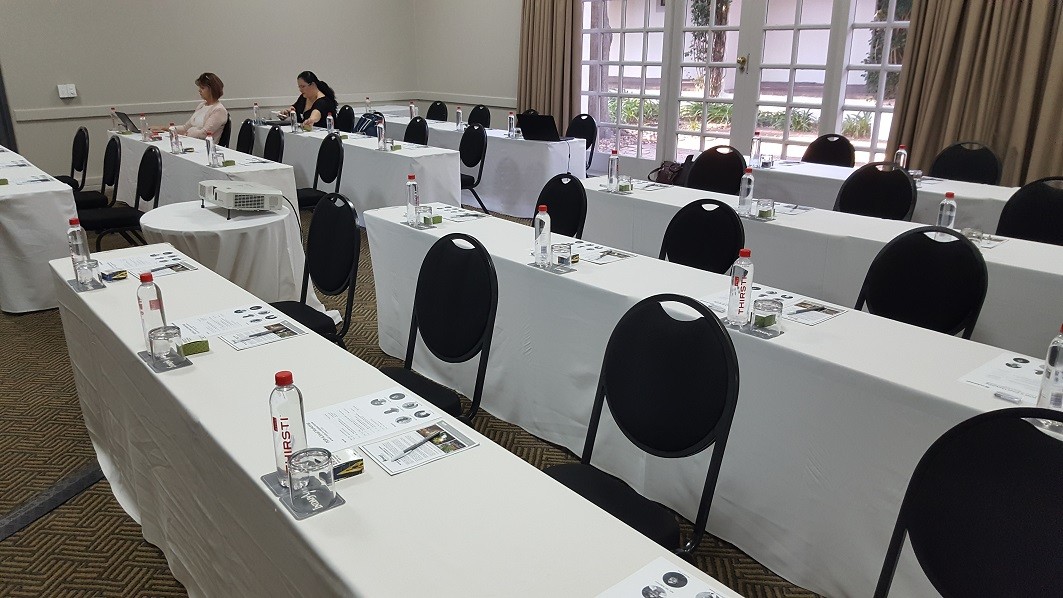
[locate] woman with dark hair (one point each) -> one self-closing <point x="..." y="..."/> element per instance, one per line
<point x="316" y="101"/>
<point x="210" y="116"/>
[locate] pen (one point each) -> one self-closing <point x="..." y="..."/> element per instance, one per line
<point x="260" y="334"/>
<point x="804" y="311"/>
<point x="1009" y="398"/>
<point x="424" y="440"/>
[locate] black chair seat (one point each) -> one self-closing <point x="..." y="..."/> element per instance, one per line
<point x="90" y="200"/>
<point x="68" y="180"/>
<point x="619" y="500"/>
<point x="308" y="197"/>
<point x="431" y="391"/>
<point x="105" y="218"/>
<point x="467" y="181"/>
<point x="309" y="317"/>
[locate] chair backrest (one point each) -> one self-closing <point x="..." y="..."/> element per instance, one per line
<point x="79" y="155"/>
<point x="566" y="202"/>
<point x="718" y="169"/>
<point x="473" y="148"/>
<point x="982" y="509"/>
<point x="454" y="305"/>
<point x="226" y="132"/>
<point x="832" y="149"/>
<point x="329" y="161"/>
<point x="245" y="139"/>
<point x="968" y="161"/>
<point x="480" y="115"/>
<point x="1035" y="212"/>
<point x="333" y="245"/>
<point x="437" y="111"/>
<point x="345" y="119"/>
<point x="416" y="131"/>
<point x="878" y="189"/>
<point x="584" y="127"/>
<point x="530" y="111"/>
<point x="931" y="277"/>
<point x="149" y="177"/>
<point x="671" y="384"/>
<point x="274" y="146"/>
<point x="112" y="166"/>
<point x="704" y="234"/>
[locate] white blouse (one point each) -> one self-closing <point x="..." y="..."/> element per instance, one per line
<point x="206" y="118"/>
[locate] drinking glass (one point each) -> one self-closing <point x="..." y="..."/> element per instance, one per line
<point x="87" y="271"/>
<point x="165" y="344"/>
<point x="310" y="480"/>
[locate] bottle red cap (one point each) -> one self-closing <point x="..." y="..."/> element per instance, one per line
<point x="283" y="378"/>
<point x="410" y="177"/>
<point x="75" y="221"/>
<point x="542" y="208"/>
<point x="330" y="114"/>
<point x="950" y="195"/>
<point x="1061" y="329"/>
<point x="146" y="277"/>
<point x="901" y="147"/>
<point x="749" y="170"/>
<point x="142" y="114"/>
<point x="613" y="152"/>
<point x="744" y="253"/>
<point x="511" y="113"/>
<point x="756" y="133"/>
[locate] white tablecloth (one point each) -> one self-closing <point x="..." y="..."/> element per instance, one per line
<point x="817" y="185"/>
<point x="182" y="173"/>
<point x="183" y="452"/>
<point x="515" y="170"/>
<point x="250" y="249"/>
<point x="371" y="178"/>
<point x="826" y="254"/>
<point x="831" y="419"/>
<point x="33" y="224"/>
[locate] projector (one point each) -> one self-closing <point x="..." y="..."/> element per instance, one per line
<point x="240" y="195"/>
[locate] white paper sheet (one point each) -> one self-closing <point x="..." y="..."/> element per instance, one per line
<point x="408" y="450"/>
<point x="262" y="334"/>
<point x="793" y="305"/>
<point x="1013" y="374"/>
<point x="162" y="263"/>
<point x="368" y="418"/>
<point x="227" y="321"/>
<point x="791" y="209"/>
<point x="598" y="254"/>
<point x="661" y="579"/>
<point x="455" y="214"/>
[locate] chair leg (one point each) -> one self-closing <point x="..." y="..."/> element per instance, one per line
<point x="139" y="236"/>
<point x="128" y="239"/>
<point x="99" y="241"/>
<point x="480" y="201"/>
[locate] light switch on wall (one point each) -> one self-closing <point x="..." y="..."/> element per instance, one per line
<point x="67" y="90"/>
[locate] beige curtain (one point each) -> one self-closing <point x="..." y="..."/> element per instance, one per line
<point x="988" y="71"/>
<point x="548" y="78"/>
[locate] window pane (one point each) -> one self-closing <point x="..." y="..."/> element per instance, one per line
<point x="651" y="113"/>
<point x="648" y="146"/>
<point x="692" y="83"/>
<point x="897" y="41"/>
<point x="866" y="46"/>
<point x="709" y="13"/>
<point x="632" y="79"/>
<point x="629" y="141"/>
<point x="688" y="145"/>
<point x="865" y="11"/>
<point x="633" y="47"/>
<point x="808" y="86"/>
<point x="610" y="78"/>
<point x="778" y="46"/>
<point x="653" y="80"/>
<point x="856" y="125"/>
<point x="636" y="14"/>
<point x="655" y="47"/>
<point x="719" y="82"/>
<point x="781" y="12"/>
<point x="585" y="78"/>
<point x="606" y="139"/>
<point x="690" y="115"/>
<point x="804" y="124"/>
<point x="775" y="84"/>
<point x="816" y="12"/>
<point x="812" y="46"/>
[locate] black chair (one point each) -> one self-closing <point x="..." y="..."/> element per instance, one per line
<point x="125" y="220"/>
<point x="454" y="312"/>
<point x="718" y="169"/>
<point x="79" y="160"/>
<point x="437" y="111"/>
<point x="245" y="139"/>
<point x="530" y="111"/>
<point x="273" y="149"/>
<point x="584" y="127"/>
<point x="1035" y="212"/>
<point x="566" y="202"/>
<point x="329" y="168"/>
<point x="925" y="279"/>
<point x="704" y="234"/>
<point x="345" y="119"/>
<point x="473" y="150"/>
<point x="333" y="244"/>
<point x="672" y="387"/>
<point x="832" y="149"/>
<point x="416" y="131"/>
<point x="226" y="132"/>
<point x="968" y="161"/>
<point x="982" y="509"/>
<point x="112" y="163"/>
<point x="878" y="189"/>
<point x="480" y="115"/>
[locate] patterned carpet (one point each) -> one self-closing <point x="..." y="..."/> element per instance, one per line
<point x="90" y="547"/>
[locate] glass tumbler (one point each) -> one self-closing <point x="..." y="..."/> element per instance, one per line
<point x="766" y="316"/>
<point x="86" y="272"/>
<point x="165" y="343"/>
<point x="562" y="253"/>
<point x="310" y="480"/>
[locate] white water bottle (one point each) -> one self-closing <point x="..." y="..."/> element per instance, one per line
<point x="413" y="111"/>
<point x="613" y="172"/>
<point x="413" y="200"/>
<point x="381" y="131"/>
<point x="116" y="125"/>
<point x="295" y="121"/>
<point x="152" y="313"/>
<point x="900" y="158"/>
<point x="542" y="238"/>
<point x="740" y="298"/>
<point x="512" y="129"/>
<point x="745" y="194"/>
<point x="289" y="428"/>
<point x="1051" y="395"/>
<point x="210" y="148"/>
<point x="330" y="124"/>
<point x="947" y="210"/>
<point x="78" y="241"/>
<point x="175" y="147"/>
<point x="368" y="106"/>
<point x="145" y="132"/>
<point x="754" y="151"/>
<point x="255" y="117"/>
<point x="457" y="118"/>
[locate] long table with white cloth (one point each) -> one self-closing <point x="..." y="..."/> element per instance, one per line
<point x="183" y="452"/>
<point x="826" y="254"/>
<point x="372" y="178"/>
<point x="181" y="174"/>
<point x="515" y="170"/>
<point x="830" y="423"/>
<point x="817" y="185"/>
<point x="34" y="211"/>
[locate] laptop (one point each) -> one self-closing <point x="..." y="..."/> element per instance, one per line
<point x="122" y="116"/>
<point x="538" y="127"/>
